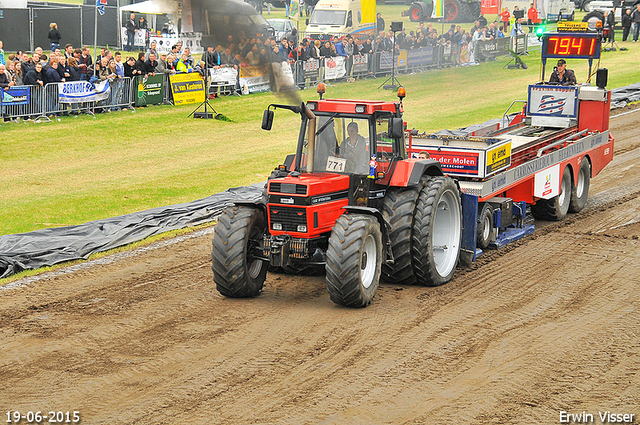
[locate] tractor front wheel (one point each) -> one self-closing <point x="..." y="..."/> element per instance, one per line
<point x="237" y="239"/>
<point x="354" y="260"/>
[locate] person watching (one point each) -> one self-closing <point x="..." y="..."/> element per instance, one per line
<point x="562" y="76"/>
<point x="423" y="155"/>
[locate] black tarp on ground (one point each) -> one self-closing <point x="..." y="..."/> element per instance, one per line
<point x="47" y="247"/>
<point x="622" y="96"/>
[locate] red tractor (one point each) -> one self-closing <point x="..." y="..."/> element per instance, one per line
<point x="350" y="200"/>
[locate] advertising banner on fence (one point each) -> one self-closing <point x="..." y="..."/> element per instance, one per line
<point x="150" y="90"/>
<point x="493" y="48"/>
<point x="360" y="64"/>
<point x="254" y="79"/>
<point x="334" y="68"/>
<point x="223" y="76"/>
<point x="83" y="91"/>
<point x="14" y="96"/>
<point x="419" y="57"/>
<point x="187" y="88"/>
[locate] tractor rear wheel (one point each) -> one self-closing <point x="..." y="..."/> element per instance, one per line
<point x="237" y="238"/>
<point x="437" y="231"/>
<point x="398" y="209"/>
<point x="580" y="191"/>
<point x="556" y="208"/>
<point x="415" y="14"/>
<point x="456" y="11"/>
<point x="354" y="260"/>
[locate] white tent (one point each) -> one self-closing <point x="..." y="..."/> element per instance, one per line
<point x="152" y="7"/>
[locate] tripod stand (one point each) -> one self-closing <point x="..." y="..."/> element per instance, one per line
<point x="515" y="55"/>
<point x="395" y="27"/>
<point x="205" y="114"/>
<point x="612" y="45"/>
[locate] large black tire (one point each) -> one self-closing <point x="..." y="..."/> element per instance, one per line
<point x="475" y="10"/>
<point x="354" y="260"/>
<point x="456" y="11"/>
<point x="437" y="232"/>
<point x="580" y="191"/>
<point x="398" y="210"/>
<point x="415" y="14"/>
<point x="556" y="208"/>
<point x="236" y="272"/>
<point x="586" y="6"/>
<point x="485" y="226"/>
<point x="595" y="14"/>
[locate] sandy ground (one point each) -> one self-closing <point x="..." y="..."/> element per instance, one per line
<point x="547" y="325"/>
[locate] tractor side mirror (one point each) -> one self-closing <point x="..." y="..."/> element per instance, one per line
<point x="395" y="128"/>
<point x="306" y="21"/>
<point x="267" y="119"/>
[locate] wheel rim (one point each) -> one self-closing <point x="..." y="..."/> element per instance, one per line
<point x="450" y="10"/>
<point x="254" y="266"/>
<point x="580" y="185"/>
<point x="446" y="233"/>
<point x="486" y="229"/>
<point x="415" y="14"/>
<point x="563" y="191"/>
<point x="368" y="261"/>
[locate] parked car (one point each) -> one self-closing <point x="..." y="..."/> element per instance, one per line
<point x="282" y="27"/>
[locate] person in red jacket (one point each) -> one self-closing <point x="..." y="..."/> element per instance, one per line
<point x="506" y="16"/>
<point x="532" y="17"/>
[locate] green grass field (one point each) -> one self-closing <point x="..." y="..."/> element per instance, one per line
<point x="84" y="168"/>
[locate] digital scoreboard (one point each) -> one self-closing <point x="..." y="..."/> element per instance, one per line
<point x="571" y="46"/>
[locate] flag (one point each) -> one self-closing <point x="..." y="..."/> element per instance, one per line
<point x="551" y="105"/>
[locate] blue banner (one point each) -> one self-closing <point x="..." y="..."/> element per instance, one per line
<point x="15" y="95"/>
<point x="421" y="56"/>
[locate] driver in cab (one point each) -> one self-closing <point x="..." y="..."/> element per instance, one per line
<point x="355" y="150"/>
<point x="562" y="76"/>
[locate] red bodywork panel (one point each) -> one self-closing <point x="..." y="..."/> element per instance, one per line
<point x="594" y="115"/>
<point x="348" y="106"/>
<point x="318" y="208"/>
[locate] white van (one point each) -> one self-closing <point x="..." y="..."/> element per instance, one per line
<point x="335" y="19"/>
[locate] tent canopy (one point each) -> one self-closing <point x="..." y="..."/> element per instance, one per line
<point x="152" y="7"/>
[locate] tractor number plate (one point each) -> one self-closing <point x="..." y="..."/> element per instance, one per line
<point x="336" y="164"/>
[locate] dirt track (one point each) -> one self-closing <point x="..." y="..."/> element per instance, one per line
<point x="548" y="325"/>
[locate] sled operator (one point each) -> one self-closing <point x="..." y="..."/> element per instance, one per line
<point x="561" y="75"/>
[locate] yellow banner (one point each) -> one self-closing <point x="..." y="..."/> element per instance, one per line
<point x="497" y="158"/>
<point x="572" y="26"/>
<point x="187" y="88"/>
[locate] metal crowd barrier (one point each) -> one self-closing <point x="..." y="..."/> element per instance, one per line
<point x="43" y="101"/>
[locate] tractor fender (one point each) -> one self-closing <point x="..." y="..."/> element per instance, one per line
<point x="425" y="167"/>
<point x="259" y="204"/>
<point x="385" y="227"/>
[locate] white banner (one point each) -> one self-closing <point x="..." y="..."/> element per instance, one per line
<point x="283" y="76"/>
<point x="139" y="39"/>
<point x="547" y="183"/>
<point x="82" y="91"/>
<point x="223" y="76"/>
<point x="254" y="79"/>
<point x="334" y="68"/>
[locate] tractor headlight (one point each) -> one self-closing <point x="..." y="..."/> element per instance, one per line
<point x="360" y="109"/>
<point x="302" y="228"/>
<point x="277" y="226"/>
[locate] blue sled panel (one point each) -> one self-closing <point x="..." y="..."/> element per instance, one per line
<point x="513" y="234"/>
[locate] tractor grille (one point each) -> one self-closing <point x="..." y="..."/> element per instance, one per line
<point x="299" y="248"/>
<point x="289" y="217"/>
<point x="298" y="189"/>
